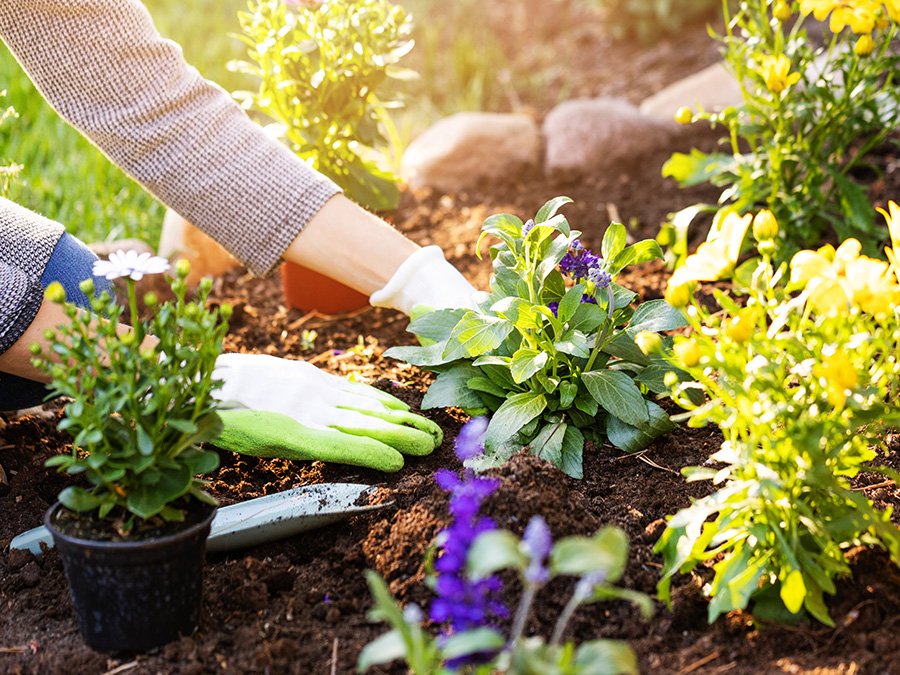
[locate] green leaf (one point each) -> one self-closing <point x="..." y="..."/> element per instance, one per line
<point x="624" y="347"/>
<point x="696" y="168"/>
<point x="641" y="252"/>
<point x="606" y="657"/>
<point x="385" y="648"/>
<point x="526" y="362"/>
<point x="570" y="303"/>
<point x="622" y="297"/>
<point x="737" y="577"/>
<point x="618" y="395"/>
<point x="588" y="317"/>
<point x="517" y="411"/>
<point x="548" y="443"/>
<point x="613" y="241"/>
<point x="479" y="334"/>
<point x="184" y="426"/>
<point x="606" y="551"/>
<point x="793" y="591"/>
<point x="519" y="311"/>
<point x="506" y="227"/>
<point x="492" y="551"/>
<point x="451" y="389"/>
<point x="424" y="357"/>
<point x="653" y="376"/>
<point x="548" y="210"/>
<point x="201" y="461"/>
<point x="486" y="385"/>
<point x="477" y="641"/>
<point x="437" y="325"/>
<point x="656" y="316"/>
<point x="571" y="461"/>
<point x="78" y="499"/>
<point x="575" y="343"/>
<point x="567" y="392"/>
<point x="630" y="438"/>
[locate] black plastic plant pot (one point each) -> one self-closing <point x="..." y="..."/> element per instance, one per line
<point x="134" y="595"/>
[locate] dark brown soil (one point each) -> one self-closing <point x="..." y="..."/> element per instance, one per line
<point x="299" y="605"/>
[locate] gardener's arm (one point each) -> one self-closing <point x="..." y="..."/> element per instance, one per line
<point x="102" y="65"/>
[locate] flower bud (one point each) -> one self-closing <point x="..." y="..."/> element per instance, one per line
<point x="670" y="379"/>
<point x="740" y="328"/>
<point x="127" y="338"/>
<point x="666" y="236"/>
<point x="684" y="115"/>
<point x="206" y="284"/>
<point x="87" y="287"/>
<point x="678" y="296"/>
<point x="55" y="293"/>
<point x="150" y="299"/>
<point x="765" y="227"/>
<point x="148" y="353"/>
<point x="35" y="348"/>
<point x="688" y="352"/>
<point x="649" y="342"/>
<point x="865" y="45"/>
<point x="782" y="11"/>
<point x="49" y="334"/>
<point x="225" y="311"/>
<point x="182" y="268"/>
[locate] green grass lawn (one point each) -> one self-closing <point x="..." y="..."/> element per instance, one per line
<point x="65" y="178"/>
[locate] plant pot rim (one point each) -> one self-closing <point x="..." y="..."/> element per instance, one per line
<point x="148" y="544"/>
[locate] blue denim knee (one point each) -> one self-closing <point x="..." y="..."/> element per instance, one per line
<point x="70" y="263"/>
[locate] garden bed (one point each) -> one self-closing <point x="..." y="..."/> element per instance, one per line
<point x="299" y="605"/>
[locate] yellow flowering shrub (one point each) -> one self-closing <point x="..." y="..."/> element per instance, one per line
<point x="802" y="379"/>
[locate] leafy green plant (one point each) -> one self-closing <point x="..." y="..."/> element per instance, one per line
<point x="10" y="170"/>
<point x="810" y="118"/>
<point x="140" y="404"/>
<point x="650" y="20"/>
<point x="553" y="364"/>
<point x="802" y="380"/>
<point x="326" y="72"/>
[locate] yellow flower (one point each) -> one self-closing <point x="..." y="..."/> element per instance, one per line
<point x="839" y="375"/>
<point x="678" y="296"/>
<point x="837" y="280"/>
<point x="688" y="352"/>
<point x="860" y="15"/>
<point x="864" y="46"/>
<point x="782" y="11"/>
<point x="893" y="222"/>
<point x="765" y="227"/>
<point x="776" y="71"/>
<point x="716" y="257"/>
<point x="893" y="9"/>
<point x="649" y="342"/>
<point x="684" y="115"/>
<point x="740" y="328"/>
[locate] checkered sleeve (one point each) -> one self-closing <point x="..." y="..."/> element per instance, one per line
<point x="104" y="68"/>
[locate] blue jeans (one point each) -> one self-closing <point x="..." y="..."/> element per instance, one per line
<point x="71" y="263"/>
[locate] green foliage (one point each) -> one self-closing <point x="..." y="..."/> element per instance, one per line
<point x="139" y="409"/>
<point x="650" y="20"/>
<point x="803" y="387"/>
<point x="597" y="561"/>
<point x="810" y="118"/>
<point x="554" y="365"/>
<point x="327" y="77"/>
<point x="9" y="171"/>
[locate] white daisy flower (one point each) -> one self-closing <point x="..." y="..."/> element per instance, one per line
<point x="130" y="264"/>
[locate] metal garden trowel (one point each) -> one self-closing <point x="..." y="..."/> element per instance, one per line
<point x="262" y="519"/>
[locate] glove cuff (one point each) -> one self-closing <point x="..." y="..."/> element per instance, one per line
<point x="425" y="278"/>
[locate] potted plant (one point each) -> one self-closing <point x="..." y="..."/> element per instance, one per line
<point x="133" y="545"/>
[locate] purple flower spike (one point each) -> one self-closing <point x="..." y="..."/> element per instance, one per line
<point x="470" y="441"/>
<point x="527" y="227"/>
<point x="537" y="542"/>
<point x="600" y="278"/>
<point x="553" y="307"/>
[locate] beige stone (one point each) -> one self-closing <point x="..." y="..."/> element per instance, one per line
<point x="460" y="151"/>
<point x="713" y="88"/>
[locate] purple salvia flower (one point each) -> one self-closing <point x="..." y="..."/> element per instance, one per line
<point x="470" y="441"/>
<point x="601" y="278"/>
<point x="553" y="307"/>
<point x="536" y="543"/>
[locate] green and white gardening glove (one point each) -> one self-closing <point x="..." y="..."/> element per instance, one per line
<point x="424" y="282"/>
<point x="274" y="407"/>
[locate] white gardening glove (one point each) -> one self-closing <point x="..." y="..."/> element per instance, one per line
<point x="274" y="407"/>
<point x="425" y="280"/>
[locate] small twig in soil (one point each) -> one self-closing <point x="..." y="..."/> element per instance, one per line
<point x="640" y="456"/>
<point x="886" y="483"/>
<point x="334" y="653"/>
<point x="122" y="668"/>
<point x="3" y="478"/>
<point x="18" y="649"/>
<point x="294" y="325"/>
<point x="698" y="664"/>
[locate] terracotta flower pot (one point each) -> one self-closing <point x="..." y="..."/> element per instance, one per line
<point x="134" y="595"/>
<point x="309" y="291"/>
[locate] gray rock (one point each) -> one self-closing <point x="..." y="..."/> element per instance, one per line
<point x="713" y="88"/>
<point x="587" y="135"/>
<point x="462" y="150"/>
